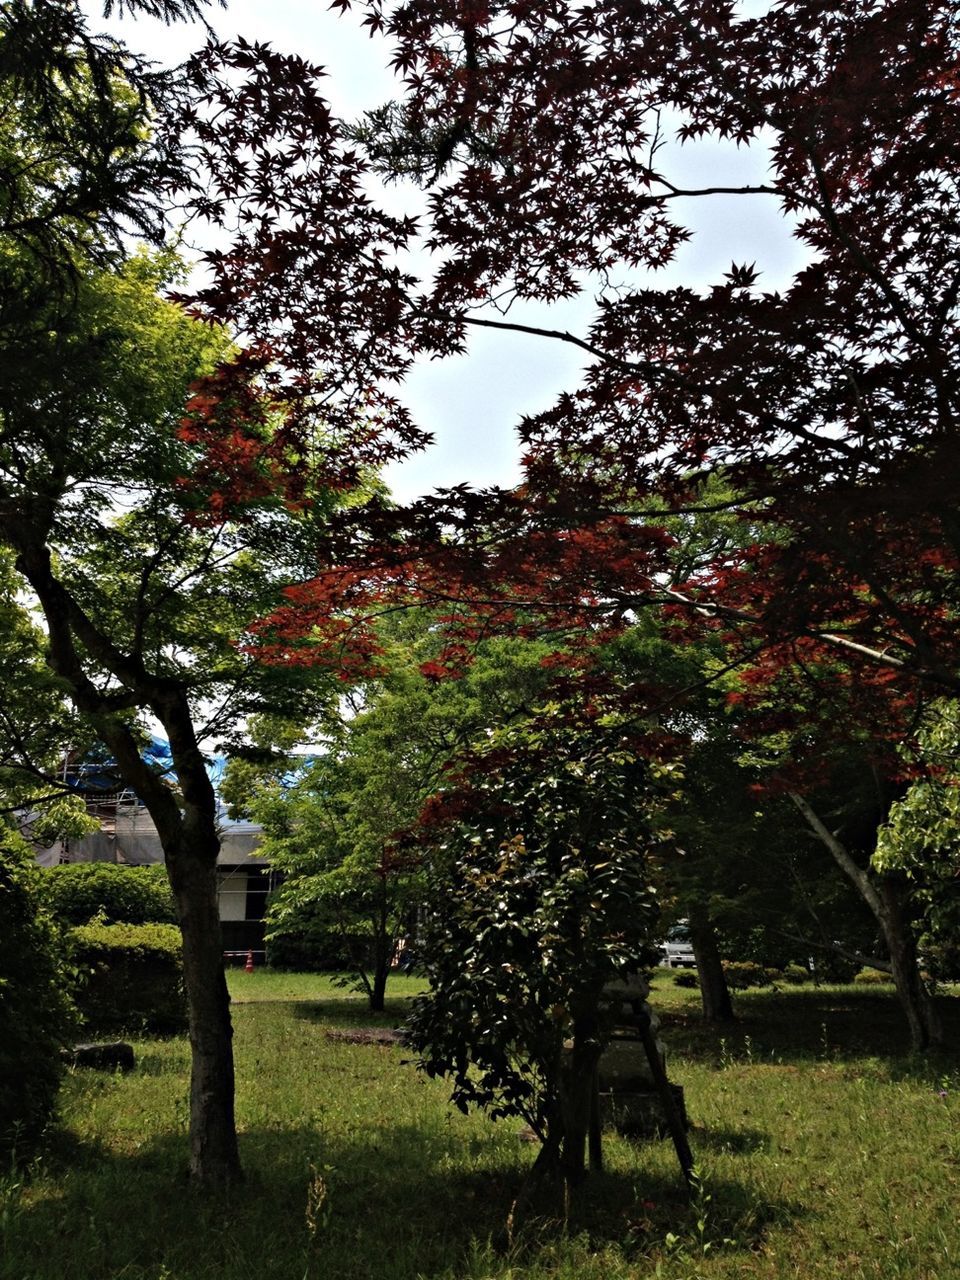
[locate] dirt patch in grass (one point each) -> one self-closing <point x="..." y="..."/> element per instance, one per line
<point x="365" y="1035"/>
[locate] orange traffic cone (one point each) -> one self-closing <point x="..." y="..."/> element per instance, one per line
<point x="248" y="967"/>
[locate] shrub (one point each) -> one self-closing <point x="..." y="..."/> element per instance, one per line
<point x="796" y="975"/>
<point x="872" y="977"/>
<point x="741" y="974"/>
<point x="130" y="977"/>
<point x="686" y="978"/>
<point x="80" y="891"/>
<point x="37" y="1019"/>
<point x="309" y="946"/>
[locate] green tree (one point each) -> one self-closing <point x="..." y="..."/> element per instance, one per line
<point x="346" y="892"/>
<point x="80" y="170"/>
<point x="541" y="872"/>
<point x="145" y="604"/>
<point x="331" y="821"/>
<point x="842" y="784"/>
<point x="920" y="842"/>
<point x="148" y="530"/>
<point x="38" y="729"/>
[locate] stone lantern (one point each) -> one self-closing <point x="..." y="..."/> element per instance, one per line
<point x="631" y="1097"/>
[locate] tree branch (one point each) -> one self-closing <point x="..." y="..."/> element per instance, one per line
<point x="841" y="856"/>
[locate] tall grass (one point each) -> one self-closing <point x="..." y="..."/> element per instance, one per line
<point x="821" y="1152"/>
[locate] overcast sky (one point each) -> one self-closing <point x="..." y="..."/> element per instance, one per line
<point x="472" y="403"/>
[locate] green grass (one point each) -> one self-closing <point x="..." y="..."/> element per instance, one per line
<point x="265" y="984"/>
<point x="824" y="1153"/>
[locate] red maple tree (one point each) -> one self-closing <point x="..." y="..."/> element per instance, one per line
<point x="536" y="131"/>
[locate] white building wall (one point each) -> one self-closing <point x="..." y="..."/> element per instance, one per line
<point x="232" y="895"/>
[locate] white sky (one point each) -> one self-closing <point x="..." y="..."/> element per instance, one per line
<point x="472" y="403"/>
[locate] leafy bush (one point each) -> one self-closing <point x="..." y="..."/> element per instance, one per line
<point x="796" y="975"/>
<point x="686" y="978"/>
<point x="80" y="891"/>
<point x="742" y="974"/>
<point x="36" y="1017"/>
<point x="872" y="977"/>
<point x="942" y="959"/>
<point x="541" y="894"/>
<point x="305" y="951"/>
<point x="130" y="977"/>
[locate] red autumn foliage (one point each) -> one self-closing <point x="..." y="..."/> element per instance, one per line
<point x="536" y="130"/>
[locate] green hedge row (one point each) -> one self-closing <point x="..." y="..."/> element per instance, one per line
<point x="741" y="974"/>
<point x="37" y="1018"/>
<point x="129" y="977"/>
<point x="872" y="977"/>
<point x="122" y="976"/>
<point x="80" y="891"/>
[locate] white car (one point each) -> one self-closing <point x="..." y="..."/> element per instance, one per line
<point x="676" y="952"/>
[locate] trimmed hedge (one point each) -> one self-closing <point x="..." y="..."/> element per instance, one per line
<point x="741" y="974"/>
<point x="796" y="975"/>
<point x="37" y="1019"/>
<point x="129" y="977"/>
<point x="872" y="977"/>
<point x="79" y="891"/>
<point x="686" y="978"/>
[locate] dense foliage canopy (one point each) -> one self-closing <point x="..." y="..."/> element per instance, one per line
<point x="539" y="136"/>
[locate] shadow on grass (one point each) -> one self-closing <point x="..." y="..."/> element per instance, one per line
<point x="151" y="1063"/>
<point x="384" y="1205"/>
<point x="352" y="1012"/>
<point x="738" y="1142"/>
<point x="801" y="1026"/>
<point x="64" y="1152"/>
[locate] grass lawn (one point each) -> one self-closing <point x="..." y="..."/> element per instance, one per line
<point x="266" y="984"/>
<point x="824" y="1153"/>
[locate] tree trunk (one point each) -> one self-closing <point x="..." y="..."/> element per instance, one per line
<point x="382" y="948"/>
<point x="578" y="1086"/>
<point x="191" y="844"/>
<point x="187" y="829"/>
<point x="714" y="992"/>
<point x="884" y="897"/>
<point x="926" y="1030"/>
<point x="378" y="989"/>
<point x="595" y="1133"/>
<point x="214" y="1155"/>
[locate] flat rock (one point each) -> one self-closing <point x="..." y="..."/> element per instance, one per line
<point x="113" y="1055"/>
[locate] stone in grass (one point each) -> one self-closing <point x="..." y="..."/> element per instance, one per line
<point x="114" y="1055"/>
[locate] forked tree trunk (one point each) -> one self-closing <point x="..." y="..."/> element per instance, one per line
<point x="926" y="1029"/>
<point x="188" y="835"/>
<point x="714" y="992"/>
<point x="884" y="897"/>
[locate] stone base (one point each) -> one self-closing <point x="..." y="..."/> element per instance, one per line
<point x="638" y="1113"/>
